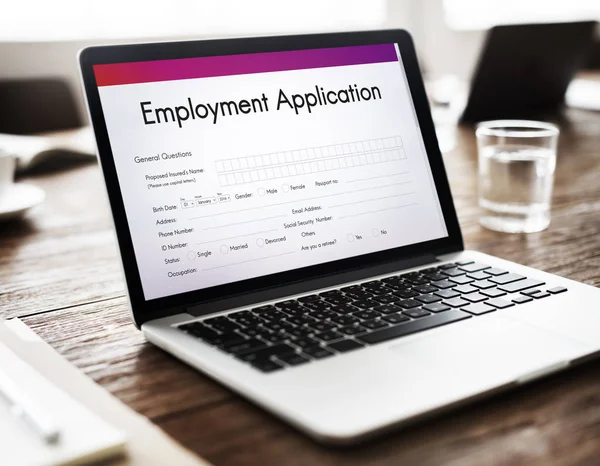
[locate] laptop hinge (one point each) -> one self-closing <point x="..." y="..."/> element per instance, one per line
<point x="306" y="286"/>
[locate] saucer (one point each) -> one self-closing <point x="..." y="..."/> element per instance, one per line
<point x="18" y="199"/>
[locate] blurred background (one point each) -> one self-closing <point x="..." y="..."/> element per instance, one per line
<point x="41" y="39"/>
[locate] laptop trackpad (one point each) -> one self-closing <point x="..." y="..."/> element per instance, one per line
<point x="491" y="349"/>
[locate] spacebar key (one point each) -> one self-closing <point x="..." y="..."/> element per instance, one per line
<point x="424" y="323"/>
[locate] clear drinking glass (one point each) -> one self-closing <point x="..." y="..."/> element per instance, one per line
<point x="517" y="159"/>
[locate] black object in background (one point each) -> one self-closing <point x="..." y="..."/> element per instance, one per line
<point x="524" y="70"/>
<point x="37" y="105"/>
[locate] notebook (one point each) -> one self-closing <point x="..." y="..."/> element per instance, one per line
<point x="146" y="445"/>
<point x="84" y="436"/>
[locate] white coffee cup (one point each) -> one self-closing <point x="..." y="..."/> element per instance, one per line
<point x="7" y="172"/>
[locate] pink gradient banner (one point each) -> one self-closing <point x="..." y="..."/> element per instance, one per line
<point x="228" y="65"/>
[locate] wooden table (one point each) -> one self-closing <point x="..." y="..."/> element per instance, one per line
<point x="59" y="272"/>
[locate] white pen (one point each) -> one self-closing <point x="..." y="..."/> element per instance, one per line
<point x="28" y="411"/>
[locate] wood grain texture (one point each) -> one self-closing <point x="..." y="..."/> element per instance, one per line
<point x="59" y="269"/>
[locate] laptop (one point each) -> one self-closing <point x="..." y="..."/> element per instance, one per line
<point x="286" y="227"/>
<point x="524" y="70"/>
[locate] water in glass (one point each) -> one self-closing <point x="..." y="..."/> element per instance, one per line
<point x="515" y="183"/>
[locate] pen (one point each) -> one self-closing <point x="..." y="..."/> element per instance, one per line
<point x="25" y="409"/>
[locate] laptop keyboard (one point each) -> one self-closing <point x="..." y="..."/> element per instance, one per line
<point x="317" y="326"/>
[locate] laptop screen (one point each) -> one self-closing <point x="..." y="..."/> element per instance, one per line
<point x="241" y="166"/>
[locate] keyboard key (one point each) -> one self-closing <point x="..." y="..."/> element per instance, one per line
<point x="304" y="342"/>
<point x="321" y="326"/>
<point x="301" y="320"/>
<point x="557" y="289"/>
<point x="478" y="308"/>
<point x="225" y="327"/>
<point x="406" y="294"/>
<point x="241" y="315"/>
<point x="271" y="326"/>
<point x="274" y="315"/>
<point x="323" y="315"/>
<point x="417" y="280"/>
<point x="483" y="284"/>
<point x="500" y="303"/>
<point x="456" y="302"/>
<point x="265" y="308"/>
<point x="447" y="294"/>
<point x="386" y="299"/>
<point x="481" y="275"/>
<point x="395" y="318"/>
<point x="450" y="265"/>
<point x="493" y="292"/>
<point x="361" y="294"/>
<point x="408" y="328"/>
<point x="273" y="337"/>
<point x="345" y="345"/>
<point x="352" y="330"/>
<point x="428" y="298"/>
<point x="379" y="291"/>
<point x="366" y="315"/>
<point x="408" y="303"/>
<point x="531" y="292"/>
<point x="345" y="320"/>
<point x="365" y="303"/>
<point x="265" y="353"/>
<point x="374" y="324"/>
<point x="245" y="346"/>
<point x="464" y="262"/>
<point x="522" y="299"/>
<point x="475" y="297"/>
<point x="436" y="307"/>
<point x="392" y="280"/>
<point x="520" y="285"/>
<point x="453" y="272"/>
<point x="292" y="359"/>
<point x="416" y="313"/>
<point x="317" y="352"/>
<point x="351" y="288"/>
<point x="339" y="300"/>
<point x="329" y="336"/>
<point x="266" y="365"/>
<point x="250" y="331"/>
<point x="506" y="278"/>
<point x="298" y="332"/>
<point x="425" y="289"/>
<point x="295" y="312"/>
<point x="461" y="280"/>
<point x="387" y="309"/>
<point x="345" y="309"/>
<point x="443" y="284"/>
<point x="317" y="305"/>
<point x="398" y="286"/>
<point x="464" y="289"/>
<point x="330" y="294"/>
<point x="311" y="297"/>
<point x="436" y="276"/>
<point x="543" y="294"/>
<point x="495" y="271"/>
<point x="474" y="267"/>
<point x="289" y="304"/>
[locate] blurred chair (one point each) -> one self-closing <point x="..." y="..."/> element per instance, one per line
<point x="37" y="105"/>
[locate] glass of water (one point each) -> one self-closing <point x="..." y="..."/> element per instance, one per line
<point x="517" y="159"/>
